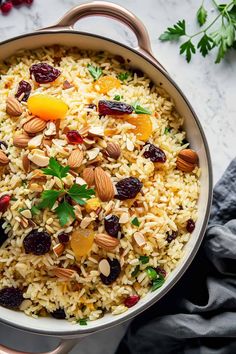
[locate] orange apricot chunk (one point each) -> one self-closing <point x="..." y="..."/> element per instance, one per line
<point x="81" y="242"/>
<point x="107" y="83"/>
<point x="47" y="107"/>
<point x="143" y="126"/>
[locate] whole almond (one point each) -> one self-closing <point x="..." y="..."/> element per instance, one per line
<point x="21" y="140"/>
<point x="26" y="163"/>
<point x="89" y="175"/>
<point x="187" y="160"/>
<point x="76" y="158"/>
<point x="112" y="150"/>
<point x="103" y="185"/>
<point x="34" y="126"/>
<point x="106" y="242"/>
<point x="4" y="160"/>
<point x="13" y="107"/>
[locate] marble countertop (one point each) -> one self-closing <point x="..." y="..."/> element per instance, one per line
<point x="210" y="88"/>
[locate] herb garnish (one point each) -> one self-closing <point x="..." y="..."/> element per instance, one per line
<point x="135" y="271"/>
<point x="123" y="76"/>
<point x="167" y="130"/>
<point x="94" y="71"/>
<point x="135" y="221"/>
<point x="144" y="259"/>
<point x="82" y="321"/>
<point x="223" y="37"/>
<point x="157" y="283"/>
<point x="34" y="210"/>
<point x="140" y="110"/>
<point x="117" y="97"/>
<point x="79" y="194"/>
<point x="151" y="273"/>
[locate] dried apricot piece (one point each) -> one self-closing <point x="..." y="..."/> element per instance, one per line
<point x="107" y="83"/>
<point x="81" y="242"/>
<point x="143" y="126"/>
<point x="47" y="107"/>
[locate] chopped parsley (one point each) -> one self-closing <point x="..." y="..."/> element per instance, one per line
<point x="140" y="110"/>
<point x="167" y="130"/>
<point x="82" y="321"/>
<point x="94" y="71"/>
<point x="157" y="283"/>
<point x="135" y="271"/>
<point x="135" y="221"/>
<point x="117" y="97"/>
<point x="123" y="76"/>
<point x="144" y="259"/>
<point x="151" y="273"/>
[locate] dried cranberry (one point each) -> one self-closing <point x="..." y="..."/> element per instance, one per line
<point x="155" y="154"/>
<point x="28" y="2"/>
<point x="24" y="88"/>
<point x="161" y="271"/>
<point x="74" y="137"/>
<point x="11" y="297"/>
<point x="171" y="236"/>
<point x="115" y="270"/>
<point x="4" y="203"/>
<point x="3" y="236"/>
<point x="63" y="238"/>
<point x="44" y="73"/>
<point x="17" y="2"/>
<point x="132" y="300"/>
<point x="66" y="85"/>
<point x="6" y="7"/>
<point x="114" y="108"/>
<point x="37" y="243"/>
<point x="59" y="314"/>
<point x="128" y="188"/>
<point x="112" y="226"/>
<point x="190" y="225"/>
<point x="3" y="144"/>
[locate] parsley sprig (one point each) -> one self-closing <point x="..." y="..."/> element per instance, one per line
<point x="94" y="71"/>
<point x="223" y="37"/>
<point x="64" y="210"/>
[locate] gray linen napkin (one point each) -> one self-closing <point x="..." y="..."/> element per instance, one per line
<point x="198" y="316"/>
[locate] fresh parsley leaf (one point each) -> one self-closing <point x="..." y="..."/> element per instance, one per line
<point x="64" y="211"/>
<point x="188" y="48"/>
<point x="144" y="259"/>
<point x="205" y="44"/>
<point x="94" y="71"/>
<point x="135" y="271"/>
<point x="167" y="130"/>
<point x="34" y="210"/>
<point x="82" y="321"/>
<point x="151" y="273"/>
<point x="175" y="32"/>
<point x="55" y="169"/>
<point x="157" y="283"/>
<point x="224" y="38"/>
<point x="201" y="15"/>
<point x="79" y="193"/>
<point x="135" y="221"/>
<point x="48" y="199"/>
<point x="140" y="110"/>
<point x="117" y="97"/>
<point x="123" y="76"/>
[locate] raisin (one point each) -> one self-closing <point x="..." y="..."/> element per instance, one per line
<point x="63" y="238"/>
<point x="132" y="300"/>
<point x="114" y="108"/>
<point x="190" y="225"/>
<point x="44" y="73"/>
<point x="23" y="90"/>
<point x="59" y="314"/>
<point x="112" y="226"/>
<point x="3" y="145"/>
<point x="155" y="154"/>
<point x="4" y="203"/>
<point x="37" y="243"/>
<point x="171" y="236"/>
<point x="119" y="58"/>
<point x="74" y="137"/>
<point x="128" y="188"/>
<point x="11" y="297"/>
<point x="115" y="270"/>
<point x="3" y="236"/>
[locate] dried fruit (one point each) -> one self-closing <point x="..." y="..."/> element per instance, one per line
<point x="128" y="188"/>
<point x="161" y="271"/>
<point x="13" y="107"/>
<point x="107" y="242"/>
<point x="37" y="243"/>
<point x="92" y="106"/>
<point x="106" y="83"/>
<point x="115" y="270"/>
<point x="23" y="91"/>
<point x="112" y="150"/>
<point x="63" y="238"/>
<point x="143" y="125"/>
<point x="66" y="85"/>
<point x="3" y="235"/>
<point x="47" y="107"/>
<point x="34" y="126"/>
<point x="74" y="137"/>
<point x="81" y="242"/>
<point x="21" y="140"/>
<point x="112" y="225"/>
<point x="43" y="73"/>
<point x="190" y="225"/>
<point x="4" y="160"/>
<point x="89" y="175"/>
<point x="11" y="297"/>
<point x="154" y="153"/>
<point x="171" y="236"/>
<point x="92" y="205"/>
<point x="4" y="203"/>
<point x="59" y="314"/>
<point x="76" y="158"/>
<point x="103" y="185"/>
<point x="114" y="108"/>
<point x="187" y="160"/>
<point x="6" y="7"/>
<point x="131" y="300"/>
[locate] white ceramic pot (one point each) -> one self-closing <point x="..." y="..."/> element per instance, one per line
<point x="142" y="58"/>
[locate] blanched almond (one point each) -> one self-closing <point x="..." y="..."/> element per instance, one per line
<point x="35" y="141"/>
<point x="58" y="249"/>
<point x="89" y="175"/>
<point x="76" y="158"/>
<point x="21" y="140"/>
<point x="139" y="239"/>
<point x="50" y="129"/>
<point x="84" y="131"/>
<point x="34" y="126"/>
<point x="38" y="158"/>
<point x="103" y="185"/>
<point x="64" y="273"/>
<point x="107" y="242"/>
<point x="96" y="131"/>
<point x="4" y="160"/>
<point x="92" y="153"/>
<point x="13" y="107"/>
<point x="104" y="267"/>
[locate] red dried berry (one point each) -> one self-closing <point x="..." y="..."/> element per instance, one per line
<point x="6" y="7"/>
<point x="114" y="108"/>
<point x="74" y="137"/>
<point x="4" y="203"/>
<point x="11" y="297"/>
<point x="44" y="73"/>
<point x="190" y="225"/>
<point x="17" y="2"/>
<point x="23" y="90"/>
<point x="154" y="153"/>
<point x="131" y="300"/>
<point x="63" y="238"/>
<point x="28" y="2"/>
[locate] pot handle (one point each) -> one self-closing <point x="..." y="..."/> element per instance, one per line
<point x="63" y="348"/>
<point x="113" y="11"/>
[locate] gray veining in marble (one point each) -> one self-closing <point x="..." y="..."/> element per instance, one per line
<point x="210" y="88"/>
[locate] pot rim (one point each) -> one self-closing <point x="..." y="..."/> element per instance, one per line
<point x="145" y="306"/>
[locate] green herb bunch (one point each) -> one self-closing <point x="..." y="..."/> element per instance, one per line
<point x="223" y="37"/>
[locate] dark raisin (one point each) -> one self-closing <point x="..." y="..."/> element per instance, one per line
<point x="190" y="225"/>
<point x="128" y="188"/>
<point x="3" y="235"/>
<point x="115" y="270"/>
<point x="3" y="144"/>
<point x="114" y="108"/>
<point x="4" y="203"/>
<point x="153" y="153"/>
<point x="161" y="271"/>
<point x="112" y="226"/>
<point x="74" y="137"/>
<point x="17" y="2"/>
<point x="63" y="238"/>
<point x="119" y="58"/>
<point x="37" y="243"/>
<point x="171" y="236"/>
<point x="59" y="314"/>
<point x="185" y="141"/>
<point x="23" y="90"/>
<point x="138" y="72"/>
<point x="92" y="106"/>
<point x="44" y="73"/>
<point x="11" y="297"/>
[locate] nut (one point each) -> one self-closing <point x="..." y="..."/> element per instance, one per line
<point x="96" y="131"/>
<point x="35" y="187"/>
<point x="4" y="160"/>
<point x="26" y="163"/>
<point x="93" y="153"/>
<point x="187" y="160"/>
<point x="104" y="267"/>
<point x="35" y="141"/>
<point x="107" y="242"/>
<point x="84" y="131"/>
<point x="112" y="150"/>
<point x="139" y="239"/>
<point x="26" y="214"/>
<point x="80" y="181"/>
<point x="58" y="249"/>
<point x="64" y="273"/>
<point x="85" y="222"/>
<point x="76" y="158"/>
<point x="78" y="212"/>
<point x="50" y="129"/>
<point x="103" y="185"/>
<point x="21" y="140"/>
<point x="38" y="158"/>
<point x="13" y="107"/>
<point x="24" y="222"/>
<point x="124" y="218"/>
<point x="89" y="175"/>
<point x="34" y="126"/>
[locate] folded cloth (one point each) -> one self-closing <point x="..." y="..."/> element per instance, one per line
<point x="198" y="316"/>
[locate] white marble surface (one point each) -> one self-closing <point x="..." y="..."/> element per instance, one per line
<point x="211" y="89"/>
